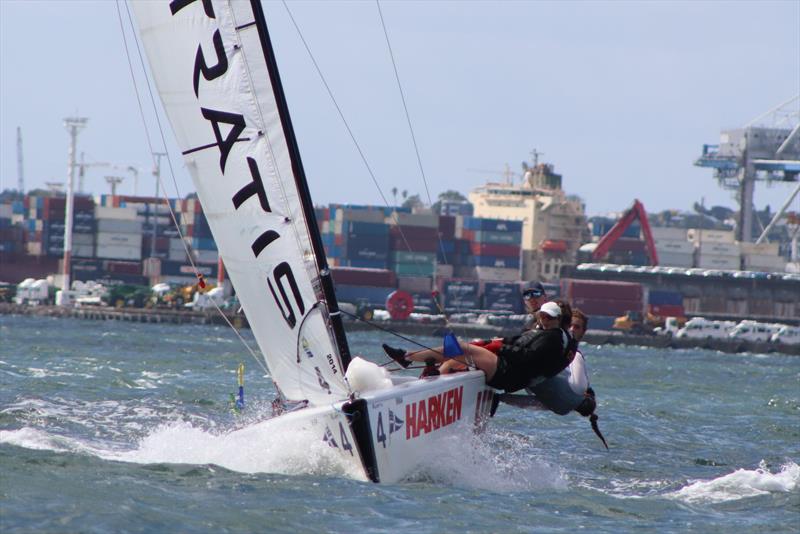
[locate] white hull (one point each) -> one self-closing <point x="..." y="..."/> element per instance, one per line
<point x="401" y="426"/>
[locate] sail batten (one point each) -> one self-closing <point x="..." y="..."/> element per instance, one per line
<point x="214" y="68"/>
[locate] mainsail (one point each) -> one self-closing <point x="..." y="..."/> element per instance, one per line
<point x="213" y="64"/>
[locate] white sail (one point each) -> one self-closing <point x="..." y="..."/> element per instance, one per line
<point x="208" y="61"/>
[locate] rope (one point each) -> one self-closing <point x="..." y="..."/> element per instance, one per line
<point x="169" y="161"/>
<point x="390" y="331"/>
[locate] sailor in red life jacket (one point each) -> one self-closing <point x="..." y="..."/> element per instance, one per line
<point x="510" y="364"/>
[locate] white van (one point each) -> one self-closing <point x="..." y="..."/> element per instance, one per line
<point x="700" y="328"/>
<point x="755" y="331"/>
<point x="790" y="335"/>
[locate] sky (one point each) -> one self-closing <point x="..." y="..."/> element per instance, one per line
<point x="619" y="96"/>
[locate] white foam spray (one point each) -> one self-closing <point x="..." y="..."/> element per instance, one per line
<point x="741" y="484"/>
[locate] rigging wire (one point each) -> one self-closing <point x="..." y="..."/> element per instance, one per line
<point x="169" y="161"/>
<point x="350" y="131"/>
<point x="408" y="120"/>
<point x="358" y="146"/>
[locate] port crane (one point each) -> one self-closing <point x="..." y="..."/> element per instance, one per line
<point x="766" y="148"/>
<point x="636" y="211"/>
<point x="84" y="165"/>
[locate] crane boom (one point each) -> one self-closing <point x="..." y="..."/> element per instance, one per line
<point x="636" y="211"/>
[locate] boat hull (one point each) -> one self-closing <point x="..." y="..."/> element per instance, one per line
<point x="407" y="421"/>
<point x="386" y="435"/>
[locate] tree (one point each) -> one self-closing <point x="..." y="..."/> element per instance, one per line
<point x="412" y="202"/>
<point x="450" y="194"/>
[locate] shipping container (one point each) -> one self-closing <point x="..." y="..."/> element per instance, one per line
<point x="444" y="271"/>
<point x="491" y="225"/>
<point x="359" y="228"/>
<point x="718" y="249"/>
<point x="595" y="289"/>
<point x="205" y="256"/>
<point x="658" y="297"/>
<point x="118" y="239"/>
<point x="605" y="306"/>
<point x="447" y="227"/>
<point x="119" y="252"/>
<point x="601" y="322"/>
<point x="79" y="239"/>
<point x="182" y="268"/>
<point x="494" y="273"/>
<point x="413" y="244"/>
<point x="415" y="284"/>
<point x="500" y="296"/>
<point x="754" y="262"/>
<point x="500" y="238"/>
<point x="360" y="294"/>
<point x="664" y="233"/>
<point x="428" y="220"/>
<point x="492" y="249"/>
<point x="710" y="236"/>
<point x="674" y="246"/>
<point x="627" y="245"/>
<point x="123" y="267"/>
<point x="461" y="294"/>
<point x="119" y="226"/>
<point x="362" y="263"/>
<point x="667" y="310"/>
<point x="708" y="261"/>
<point x="424" y="303"/>
<point x="672" y="259"/>
<point x="494" y="261"/>
<point x="359" y="250"/>
<point x="202" y="243"/>
<point x="414" y="269"/>
<point x="761" y="249"/>
<point x="365" y="277"/>
<point x="426" y="258"/>
<point x="106" y="212"/>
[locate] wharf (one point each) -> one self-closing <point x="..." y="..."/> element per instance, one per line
<point x="464" y="330"/>
<point x="136" y="315"/>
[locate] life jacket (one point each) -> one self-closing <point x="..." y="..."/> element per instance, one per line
<point x="544" y="353"/>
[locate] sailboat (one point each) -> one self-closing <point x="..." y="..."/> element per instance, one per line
<point x="216" y="73"/>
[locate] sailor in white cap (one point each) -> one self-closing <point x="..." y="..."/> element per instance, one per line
<point x="514" y="363"/>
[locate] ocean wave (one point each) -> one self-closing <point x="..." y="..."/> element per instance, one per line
<point x="741" y="484"/>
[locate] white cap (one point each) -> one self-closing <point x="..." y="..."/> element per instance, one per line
<point x="551" y="308"/>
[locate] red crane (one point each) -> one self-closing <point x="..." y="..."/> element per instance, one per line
<point x="635" y="212"/>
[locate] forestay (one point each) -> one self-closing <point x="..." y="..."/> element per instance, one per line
<point x="208" y="61"/>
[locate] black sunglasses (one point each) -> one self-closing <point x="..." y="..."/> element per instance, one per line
<point x="532" y="293"/>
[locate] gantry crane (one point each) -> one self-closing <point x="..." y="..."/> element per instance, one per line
<point x="766" y="148"/>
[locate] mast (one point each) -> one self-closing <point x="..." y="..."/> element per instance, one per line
<point x="302" y="186"/>
<point x="73" y="125"/>
<point x="20" y="168"/>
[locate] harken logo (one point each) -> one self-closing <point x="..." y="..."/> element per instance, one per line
<point x="433" y="413"/>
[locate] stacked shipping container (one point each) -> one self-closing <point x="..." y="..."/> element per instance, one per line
<point x="673" y="249"/>
<point x="715" y="249"/>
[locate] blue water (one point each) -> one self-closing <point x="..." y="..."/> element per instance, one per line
<point x="123" y="427"/>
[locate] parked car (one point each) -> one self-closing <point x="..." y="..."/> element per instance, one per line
<point x="790" y="335"/>
<point x="701" y="328"/>
<point x="755" y="331"/>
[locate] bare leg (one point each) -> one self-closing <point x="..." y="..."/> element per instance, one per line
<point x="483" y="359"/>
<point x="451" y="366"/>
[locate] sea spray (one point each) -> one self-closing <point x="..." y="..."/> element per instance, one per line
<point x="741" y="484"/>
